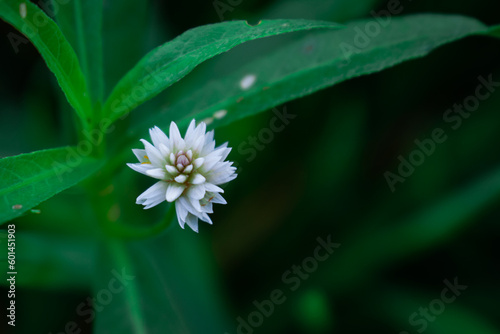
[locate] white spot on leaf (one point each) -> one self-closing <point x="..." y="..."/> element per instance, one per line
<point x="208" y="120"/>
<point x="248" y="81"/>
<point x="219" y="114"/>
<point x="23" y="11"/>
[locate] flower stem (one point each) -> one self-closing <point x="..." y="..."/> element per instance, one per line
<point x="127" y="231"/>
<point x="102" y="204"/>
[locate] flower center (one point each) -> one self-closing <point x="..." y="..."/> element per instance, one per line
<point x="183" y="160"/>
<point x="180" y="168"/>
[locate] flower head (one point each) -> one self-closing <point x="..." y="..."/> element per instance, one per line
<point x="189" y="171"/>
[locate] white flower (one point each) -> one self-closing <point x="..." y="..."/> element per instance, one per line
<point x="189" y="171"/>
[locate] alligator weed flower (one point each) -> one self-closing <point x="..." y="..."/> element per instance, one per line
<point x="189" y="171"/>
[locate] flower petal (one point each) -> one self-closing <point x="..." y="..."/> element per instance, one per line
<point x="182" y="212"/>
<point x="187" y="204"/>
<point x="195" y="204"/>
<point x="141" y="168"/>
<point x="164" y="150"/>
<point x="198" y="162"/>
<point x="181" y="178"/>
<point x="190" y="133"/>
<point x="213" y="188"/>
<point x="192" y="222"/>
<point x="208" y="208"/>
<point x="177" y="142"/>
<point x="174" y="190"/>
<point x="218" y="199"/>
<point x="206" y="218"/>
<point x="196" y="192"/>
<point x="171" y="169"/>
<point x="225" y="152"/>
<point x="153" y="196"/>
<point x="157" y="173"/>
<point x="154" y="154"/>
<point x="158" y="137"/>
<point x="140" y="154"/>
<point x="210" y="162"/>
<point x="198" y="179"/>
<point x="222" y="172"/>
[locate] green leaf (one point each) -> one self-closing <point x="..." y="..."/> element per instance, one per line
<point x="58" y="54"/>
<point x="81" y="23"/>
<point x="50" y="260"/>
<point x="173" y="60"/>
<point x="29" y="179"/>
<point x="168" y="287"/>
<point x="319" y="60"/>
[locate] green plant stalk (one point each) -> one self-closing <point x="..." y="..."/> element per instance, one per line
<point x="120" y="257"/>
<point x="102" y="204"/>
<point x="125" y="231"/>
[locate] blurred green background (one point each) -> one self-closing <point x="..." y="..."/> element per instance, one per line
<point x="323" y="175"/>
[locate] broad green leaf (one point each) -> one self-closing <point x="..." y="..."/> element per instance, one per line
<point x="334" y="10"/>
<point x="58" y="54"/>
<point x="170" y="62"/>
<point x="50" y="260"/>
<point x="29" y="179"/>
<point x="168" y="287"/>
<point x="81" y="23"/>
<point x="316" y="61"/>
<point x="431" y="226"/>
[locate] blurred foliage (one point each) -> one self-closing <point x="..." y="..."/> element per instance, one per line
<point x="321" y="176"/>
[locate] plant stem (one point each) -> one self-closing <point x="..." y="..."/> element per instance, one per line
<point x="120" y="229"/>
<point x="120" y="257"/>
<point x="127" y="231"/>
